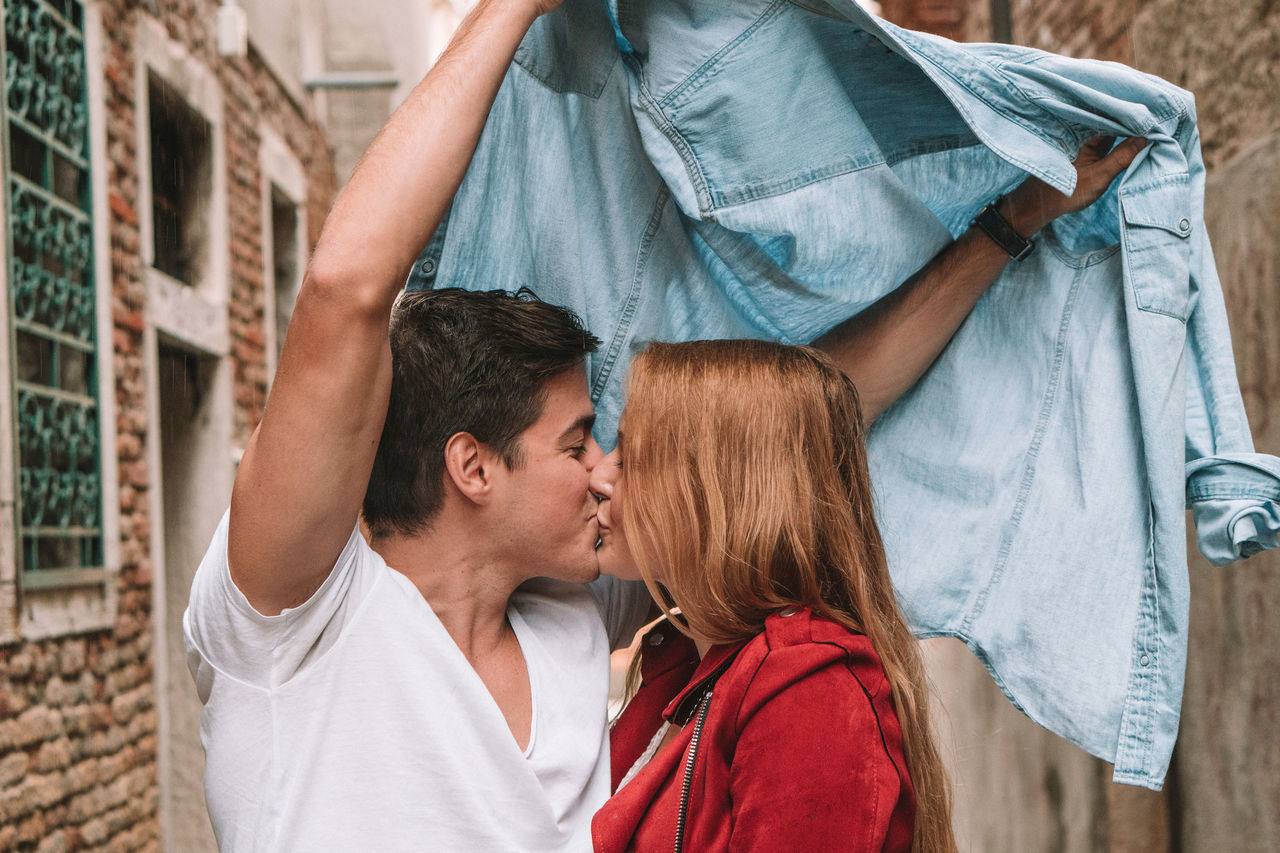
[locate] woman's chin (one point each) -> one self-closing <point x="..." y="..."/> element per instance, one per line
<point x="616" y="565"/>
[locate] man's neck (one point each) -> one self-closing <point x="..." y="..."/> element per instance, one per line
<point x="466" y="586"/>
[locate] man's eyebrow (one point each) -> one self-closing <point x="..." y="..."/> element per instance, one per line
<point x="581" y="425"/>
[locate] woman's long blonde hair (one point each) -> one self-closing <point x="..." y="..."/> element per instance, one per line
<point x="747" y="490"/>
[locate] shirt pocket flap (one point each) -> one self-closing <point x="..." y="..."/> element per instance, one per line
<point x="1165" y="205"/>
<point x="1157" y="223"/>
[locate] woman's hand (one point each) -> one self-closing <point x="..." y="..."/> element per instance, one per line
<point x="1034" y="204"/>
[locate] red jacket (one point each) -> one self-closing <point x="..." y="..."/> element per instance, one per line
<point x="800" y="748"/>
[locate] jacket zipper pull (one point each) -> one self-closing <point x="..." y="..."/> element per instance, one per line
<point x="689" y="758"/>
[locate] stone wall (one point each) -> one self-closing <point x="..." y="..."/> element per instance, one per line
<point x="79" y="716"/>
<point x="1017" y="788"/>
<point x="1225" y="789"/>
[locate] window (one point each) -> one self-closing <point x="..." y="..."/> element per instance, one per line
<point x="284" y="236"/>
<point x="284" y="254"/>
<point x="181" y="182"/>
<point x="52" y="303"/>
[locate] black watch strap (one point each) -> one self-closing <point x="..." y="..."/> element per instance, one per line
<point x="1001" y="232"/>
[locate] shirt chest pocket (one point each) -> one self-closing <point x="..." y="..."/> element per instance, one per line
<point x="1156" y="230"/>
<point x="570" y="49"/>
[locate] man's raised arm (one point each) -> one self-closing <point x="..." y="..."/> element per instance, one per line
<point x="303" y="476"/>
<point x="887" y="347"/>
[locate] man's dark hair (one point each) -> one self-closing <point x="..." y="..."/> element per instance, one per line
<point x="462" y="361"/>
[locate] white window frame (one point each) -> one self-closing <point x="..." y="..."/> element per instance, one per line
<point x="192" y="316"/>
<point x="282" y="170"/>
<point x="194" y="313"/>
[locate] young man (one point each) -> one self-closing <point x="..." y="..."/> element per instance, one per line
<point x="443" y="685"/>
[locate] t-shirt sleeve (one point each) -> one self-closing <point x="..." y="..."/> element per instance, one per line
<point x="224" y="631"/>
<point x="625" y="606"/>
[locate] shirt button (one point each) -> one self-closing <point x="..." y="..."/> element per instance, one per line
<point x="428" y="267"/>
<point x="1144" y="660"/>
<point x="656" y="639"/>
<point x="1184" y="225"/>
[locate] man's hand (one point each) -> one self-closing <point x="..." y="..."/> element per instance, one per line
<point x="1034" y="204"/>
<point x="887" y="347"/>
<point x="542" y="7"/>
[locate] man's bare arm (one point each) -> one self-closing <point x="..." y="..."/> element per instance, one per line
<point x="887" y="347"/>
<point x="303" y="476"/>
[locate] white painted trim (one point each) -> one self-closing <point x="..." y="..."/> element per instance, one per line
<point x="199" y="88"/>
<point x="195" y="316"/>
<point x="57" y="612"/>
<point x="311" y="57"/>
<point x="187" y="314"/>
<point x="279" y="168"/>
<point x="95" y="60"/>
<point x="155" y="510"/>
<point x="9" y="558"/>
<point x="215" y="483"/>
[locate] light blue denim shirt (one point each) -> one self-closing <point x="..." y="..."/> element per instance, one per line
<point x="680" y="169"/>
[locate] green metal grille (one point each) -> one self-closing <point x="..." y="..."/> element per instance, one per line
<point x="51" y="292"/>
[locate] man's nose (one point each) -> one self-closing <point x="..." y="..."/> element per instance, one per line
<point x="592" y="458"/>
<point x="603" y="476"/>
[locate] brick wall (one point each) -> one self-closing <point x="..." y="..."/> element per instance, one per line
<point x="1098" y="29"/>
<point x="961" y="20"/>
<point x="78" y="715"/>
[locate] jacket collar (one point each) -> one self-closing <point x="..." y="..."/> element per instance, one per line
<point x="663" y="649"/>
<point x="716" y="662"/>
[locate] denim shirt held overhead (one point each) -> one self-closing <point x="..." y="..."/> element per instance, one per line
<point x="682" y="169"/>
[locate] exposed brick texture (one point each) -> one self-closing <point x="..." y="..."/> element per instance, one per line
<point x="1099" y="29"/>
<point x="78" y="715"/>
<point x="961" y="20"/>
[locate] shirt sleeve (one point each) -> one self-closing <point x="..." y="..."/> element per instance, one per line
<point x="811" y="770"/>
<point x="224" y="632"/>
<point x="625" y="606"/>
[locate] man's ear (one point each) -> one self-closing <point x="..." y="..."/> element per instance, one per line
<point x="470" y="465"/>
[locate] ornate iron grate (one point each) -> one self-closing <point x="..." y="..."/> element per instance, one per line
<point x="51" y="293"/>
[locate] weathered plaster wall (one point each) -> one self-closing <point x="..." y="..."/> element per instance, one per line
<point x="1224" y="792"/>
<point x="392" y="38"/>
<point x="1019" y="789"/>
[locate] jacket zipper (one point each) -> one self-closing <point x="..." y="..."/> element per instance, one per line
<point x="687" y="784"/>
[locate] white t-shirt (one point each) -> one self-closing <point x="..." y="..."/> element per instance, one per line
<point x="354" y="722"/>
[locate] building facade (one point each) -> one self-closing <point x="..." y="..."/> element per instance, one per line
<point x="159" y="202"/>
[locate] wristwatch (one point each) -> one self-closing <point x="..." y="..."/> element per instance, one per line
<point x="1001" y="232"/>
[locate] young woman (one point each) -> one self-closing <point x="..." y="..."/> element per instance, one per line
<point x="782" y="704"/>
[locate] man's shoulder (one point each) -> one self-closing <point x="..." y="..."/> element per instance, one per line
<point x="223" y="628"/>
